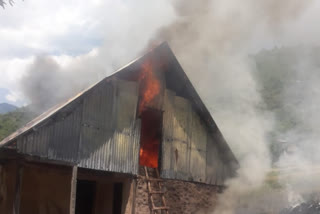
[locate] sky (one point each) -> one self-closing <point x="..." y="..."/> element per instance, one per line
<point x="87" y="40"/>
<point x="31" y="28"/>
<point x="67" y="30"/>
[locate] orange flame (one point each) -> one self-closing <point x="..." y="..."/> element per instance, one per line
<point x="149" y="154"/>
<point x="150" y="138"/>
<point x="150" y="122"/>
<point x="150" y="87"/>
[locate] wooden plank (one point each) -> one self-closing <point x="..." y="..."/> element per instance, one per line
<point x="134" y="189"/>
<point x="73" y="191"/>
<point x="150" y="179"/>
<point x="161" y="208"/>
<point x="18" y="189"/>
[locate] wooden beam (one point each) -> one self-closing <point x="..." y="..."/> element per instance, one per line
<point x="134" y="193"/>
<point x="73" y="191"/>
<point x="17" y="199"/>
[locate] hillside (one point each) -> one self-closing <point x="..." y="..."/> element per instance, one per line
<point x="288" y="81"/>
<point x="6" y="107"/>
<point x="11" y="121"/>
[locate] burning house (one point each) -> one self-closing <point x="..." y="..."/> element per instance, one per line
<point x="138" y="141"/>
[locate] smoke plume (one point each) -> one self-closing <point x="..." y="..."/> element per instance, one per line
<point x="302" y="98"/>
<point x="212" y="40"/>
<point x="126" y="27"/>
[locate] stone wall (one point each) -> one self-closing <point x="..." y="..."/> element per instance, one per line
<point x="182" y="197"/>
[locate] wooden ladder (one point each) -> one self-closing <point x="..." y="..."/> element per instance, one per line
<point x="152" y="193"/>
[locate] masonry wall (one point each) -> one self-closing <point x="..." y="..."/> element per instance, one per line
<point x="182" y="197"/>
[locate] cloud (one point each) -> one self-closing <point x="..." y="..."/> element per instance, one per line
<point x="12" y="98"/>
<point x="66" y="45"/>
<point x="33" y="27"/>
<point x="89" y="43"/>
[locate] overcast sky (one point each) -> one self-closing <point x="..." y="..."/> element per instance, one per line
<point x="69" y="29"/>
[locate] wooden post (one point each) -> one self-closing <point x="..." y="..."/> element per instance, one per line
<point x="73" y="191"/>
<point x="134" y="192"/>
<point x="17" y="198"/>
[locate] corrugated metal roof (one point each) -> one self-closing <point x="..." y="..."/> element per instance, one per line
<point x="58" y="139"/>
<point x="110" y="134"/>
<point x="100" y="131"/>
<point x="163" y="58"/>
<point x="53" y="110"/>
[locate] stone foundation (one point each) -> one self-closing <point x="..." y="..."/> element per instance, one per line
<point x="182" y="197"/>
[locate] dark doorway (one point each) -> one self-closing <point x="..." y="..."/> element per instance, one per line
<point x="85" y="197"/>
<point x="117" y="198"/>
<point x="151" y="125"/>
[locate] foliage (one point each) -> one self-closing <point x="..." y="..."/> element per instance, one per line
<point x="11" y="121"/>
<point x="280" y="73"/>
<point x="273" y="181"/>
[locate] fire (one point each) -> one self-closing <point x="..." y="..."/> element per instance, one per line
<point x="150" y="86"/>
<point x="150" y="138"/>
<point x="150" y="119"/>
<point x="149" y="154"/>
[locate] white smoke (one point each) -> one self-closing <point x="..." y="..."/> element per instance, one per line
<point x="212" y="40"/>
<point x="126" y="27"/>
<point x="301" y="99"/>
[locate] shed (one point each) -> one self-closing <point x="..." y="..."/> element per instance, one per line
<point x="94" y="148"/>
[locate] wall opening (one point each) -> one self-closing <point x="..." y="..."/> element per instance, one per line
<point x="117" y="198"/>
<point x="85" y="197"/>
<point x="151" y="131"/>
